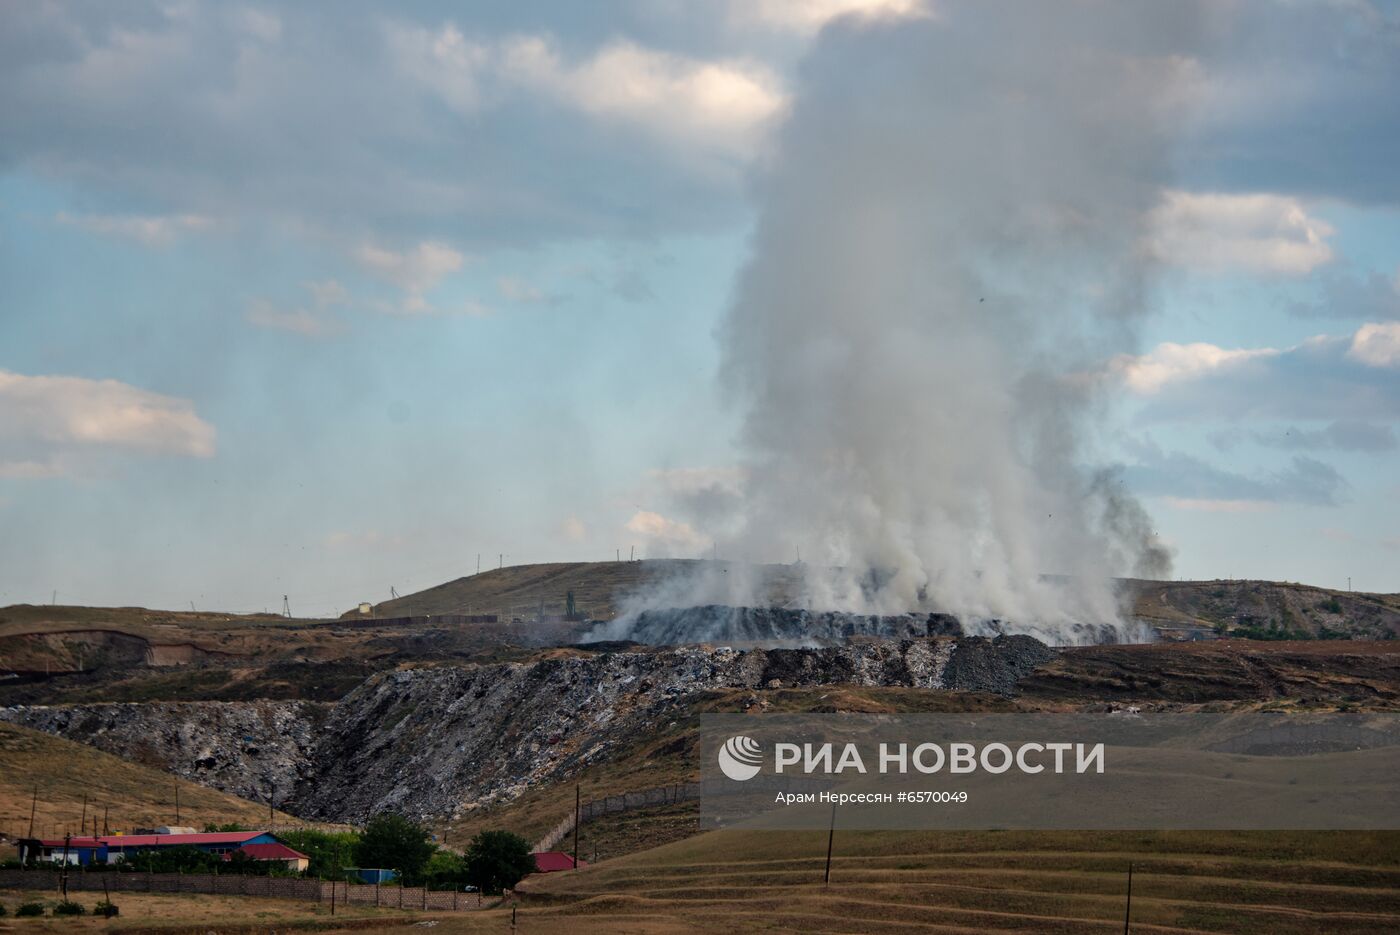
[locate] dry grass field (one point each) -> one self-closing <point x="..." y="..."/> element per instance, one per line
<point x="1045" y="882"/>
<point x="135" y="796"/>
<point x="172" y="913"/>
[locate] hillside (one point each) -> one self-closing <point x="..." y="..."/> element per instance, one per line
<point x="132" y="795"/>
<point x="1257" y="608"/>
<point x="1279" y="883"/>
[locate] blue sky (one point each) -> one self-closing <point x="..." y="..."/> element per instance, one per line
<point x="322" y="299"/>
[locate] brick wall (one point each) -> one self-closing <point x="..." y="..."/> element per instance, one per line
<point x="405" y="897"/>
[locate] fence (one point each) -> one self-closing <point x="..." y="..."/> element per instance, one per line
<point x="651" y="798"/>
<point x="317" y="891"/>
<point x="622" y="802"/>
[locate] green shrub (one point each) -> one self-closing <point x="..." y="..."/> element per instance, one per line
<point x="2" y="910"/>
<point x="29" y="909"/>
<point x="394" y="842"/>
<point x="330" y="851"/>
<point x="105" y="909"/>
<point x="68" y="908"/>
<point x="498" y="860"/>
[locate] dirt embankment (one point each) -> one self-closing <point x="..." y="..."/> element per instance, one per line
<point x="1332" y="672"/>
<point x="250" y="749"/>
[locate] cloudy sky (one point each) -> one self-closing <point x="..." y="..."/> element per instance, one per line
<point x="325" y="299"/>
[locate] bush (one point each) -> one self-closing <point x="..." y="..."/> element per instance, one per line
<point x="445" y="870"/>
<point x="183" y="859"/>
<point x="497" y="860"/>
<point x="29" y="909"/>
<point x="330" y="852"/>
<point x="394" y="842"/>
<point x="105" y="909"/>
<point x="2" y="910"/>
<point x="68" y="908"/>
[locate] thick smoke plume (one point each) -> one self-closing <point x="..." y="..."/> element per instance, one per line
<point x="949" y="240"/>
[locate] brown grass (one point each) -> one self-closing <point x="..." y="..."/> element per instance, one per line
<point x="1277" y="883"/>
<point x="136" y="796"/>
<point x="173" y="912"/>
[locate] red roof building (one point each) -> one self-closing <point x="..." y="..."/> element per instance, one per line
<point x="550" y="861"/>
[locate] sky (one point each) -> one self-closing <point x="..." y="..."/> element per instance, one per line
<point x="325" y="299"/>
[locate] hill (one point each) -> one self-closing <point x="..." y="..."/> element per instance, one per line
<point x="1280" y="883"/>
<point x="1259" y="609"/>
<point x="130" y="795"/>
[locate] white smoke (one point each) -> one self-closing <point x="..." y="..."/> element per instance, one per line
<point x="951" y="231"/>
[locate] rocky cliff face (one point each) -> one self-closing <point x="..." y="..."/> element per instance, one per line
<point x="430" y="741"/>
<point x="251" y="749"/>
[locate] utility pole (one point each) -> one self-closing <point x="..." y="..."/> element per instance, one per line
<point x="82" y="822"/>
<point x="631" y="553"/>
<point x="1128" y="911"/>
<point x="177" y="803"/>
<point x="32" y="806"/>
<point x="192" y="610"/>
<point x="106" y="828"/>
<point x="501" y="561"/>
<point x="286" y="607"/>
<point x="577" y="800"/>
<point x="618" y="556"/>
<point x="478" y="563"/>
<point x="63" y="881"/>
<point x="54" y="599"/>
<point x="830" y="838"/>
<point x="1348" y="583"/>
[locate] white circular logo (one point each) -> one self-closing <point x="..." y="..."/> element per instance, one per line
<point x="740" y="758"/>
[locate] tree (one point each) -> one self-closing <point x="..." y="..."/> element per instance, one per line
<point x="445" y="870"/>
<point x="392" y="841"/>
<point x="498" y="860"/>
<point x="182" y="859"/>
<point x="330" y="852"/>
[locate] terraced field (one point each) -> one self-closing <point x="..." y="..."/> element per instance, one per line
<point x="1279" y="883"/>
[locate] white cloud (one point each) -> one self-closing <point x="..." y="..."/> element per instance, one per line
<point x="1170" y="363"/>
<point x="297" y="320"/>
<point x="806" y="17"/>
<point x="1261" y="233"/>
<point x="520" y="290"/>
<point x="573" y="529"/>
<point x="151" y="230"/>
<point x="416" y="270"/>
<point x="260" y="24"/>
<point x="442" y="60"/>
<point x="327" y="292"/>
<point x="712" y="104"/>
<point x="43" y="419"/>
<point x="314" y="322"/>
<point x="667" y="533"/>
<point x="1377" y="344"/>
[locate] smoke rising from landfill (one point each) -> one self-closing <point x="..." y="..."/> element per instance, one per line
<point x="949" y="241"/>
